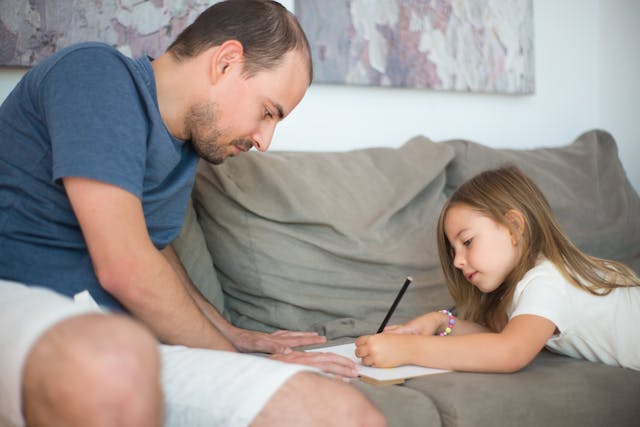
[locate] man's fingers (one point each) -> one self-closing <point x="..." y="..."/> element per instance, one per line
<point x="327" y="362"/>
<point x="286" y="333"/>
<point x="298" y="338"/>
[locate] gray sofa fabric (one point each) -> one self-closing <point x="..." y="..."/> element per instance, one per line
<point x="323" y="241"/>
<point x="552" y="391"/>
<point x="302" y="239"/>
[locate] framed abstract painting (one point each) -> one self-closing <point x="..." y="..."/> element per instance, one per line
<point x="31" y="30"/>
<point x="458" y="45"/>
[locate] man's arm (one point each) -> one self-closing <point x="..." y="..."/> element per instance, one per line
<point x="242" y="339"/>
<point x="279" y="343"/>
<point x="129" y="266"/>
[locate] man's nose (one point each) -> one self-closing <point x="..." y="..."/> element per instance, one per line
<point x="262" y="138"/>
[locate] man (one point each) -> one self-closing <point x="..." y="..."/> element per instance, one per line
<point x="97" y="159"/>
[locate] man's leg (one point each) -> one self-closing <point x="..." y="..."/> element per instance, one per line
<point x="93" y="370"/>
<point x="64" y="363"/>
<point x="308" y="399"/>
<point x="206" y="387"/>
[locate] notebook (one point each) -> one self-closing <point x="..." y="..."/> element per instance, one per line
<point x="380" y="376"/>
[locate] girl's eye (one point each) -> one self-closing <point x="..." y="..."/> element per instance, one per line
<point x="268" y="114"/>
<point x="467" y="242"/>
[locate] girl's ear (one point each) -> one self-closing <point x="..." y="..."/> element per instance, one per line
<point x="516" y="222"/>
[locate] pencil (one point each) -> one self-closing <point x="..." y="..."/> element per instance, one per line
<point x="395" y="304"/>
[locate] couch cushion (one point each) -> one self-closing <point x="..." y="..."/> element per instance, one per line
<point x="553" y="390"/>
<point x="305" y="240"/>
<point x="584" y="183"/>
<point x="196" y="260"/>
<point x="402" y="406"/>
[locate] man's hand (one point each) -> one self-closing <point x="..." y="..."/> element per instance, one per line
<point x="276" y="342"/>
<point x="328" y="362"/>
<point x="280" y="343"/>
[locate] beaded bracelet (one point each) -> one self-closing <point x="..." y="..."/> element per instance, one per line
<point x="449" y="328"/>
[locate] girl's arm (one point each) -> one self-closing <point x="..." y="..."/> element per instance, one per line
<point x="508" y="351"/>
<point x="434" y="323"/>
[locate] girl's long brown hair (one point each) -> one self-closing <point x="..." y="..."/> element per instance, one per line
<point x="495" y="192"/>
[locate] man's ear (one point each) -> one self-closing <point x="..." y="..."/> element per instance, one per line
<point x="229" y="54"/>
<point x="516" y="222"/>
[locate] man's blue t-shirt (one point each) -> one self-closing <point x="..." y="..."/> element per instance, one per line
<point x="86" y="111"/>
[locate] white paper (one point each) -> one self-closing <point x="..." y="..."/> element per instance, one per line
<point x="379" y="374"/>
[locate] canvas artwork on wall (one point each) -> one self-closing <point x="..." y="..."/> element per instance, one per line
<point x="460" y="45"/>
<point x="31" y="30"/>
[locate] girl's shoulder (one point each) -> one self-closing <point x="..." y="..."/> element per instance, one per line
<point x="542" y="291"/>
<point x="543" y="267"/>
<point x="544" y="280"/>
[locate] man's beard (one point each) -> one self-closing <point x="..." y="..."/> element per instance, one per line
<point x="201" y="125"/>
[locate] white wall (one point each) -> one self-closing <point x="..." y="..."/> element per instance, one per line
<point x="8" y="79"/>
<point x="587" y="65"/>
<point x="619" y="79"/>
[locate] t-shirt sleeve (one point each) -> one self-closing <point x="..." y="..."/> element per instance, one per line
<point x="95" y="119"/>
<point x="543" y="296"/>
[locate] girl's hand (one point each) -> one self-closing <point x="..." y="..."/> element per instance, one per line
<point x="383" y="350"/>
<point x="427" y="324"/>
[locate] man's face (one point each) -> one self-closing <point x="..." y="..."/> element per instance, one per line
<point x="242" y="113"/>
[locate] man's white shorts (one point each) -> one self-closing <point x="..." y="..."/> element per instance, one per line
<point x="201" y="387"/>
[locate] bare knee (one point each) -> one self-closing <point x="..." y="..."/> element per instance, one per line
<point x="104" y="365"/>
<point x="313" y="400"/>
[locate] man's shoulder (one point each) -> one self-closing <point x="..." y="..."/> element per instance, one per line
<point x="87" y="52"/>
<point x="81" y="65"/>
<point x="89" y="45"/>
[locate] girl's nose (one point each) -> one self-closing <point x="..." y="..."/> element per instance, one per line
<point x="458" y="261"/>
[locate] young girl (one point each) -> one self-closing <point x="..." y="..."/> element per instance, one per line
<point x="519" y="285"/>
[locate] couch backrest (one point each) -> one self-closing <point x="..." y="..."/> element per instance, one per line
<point x="324" y="241"/>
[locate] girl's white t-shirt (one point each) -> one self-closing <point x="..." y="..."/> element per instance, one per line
<point x="597" y="328"/>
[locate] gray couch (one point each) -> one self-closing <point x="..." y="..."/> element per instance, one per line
<point x="322" y="241"/>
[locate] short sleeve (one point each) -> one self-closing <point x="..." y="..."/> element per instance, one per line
<point x="540" y="294"/>
<point x="95" y="119"/>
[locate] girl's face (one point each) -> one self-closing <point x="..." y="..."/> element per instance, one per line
<point x="485" y="251"/>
